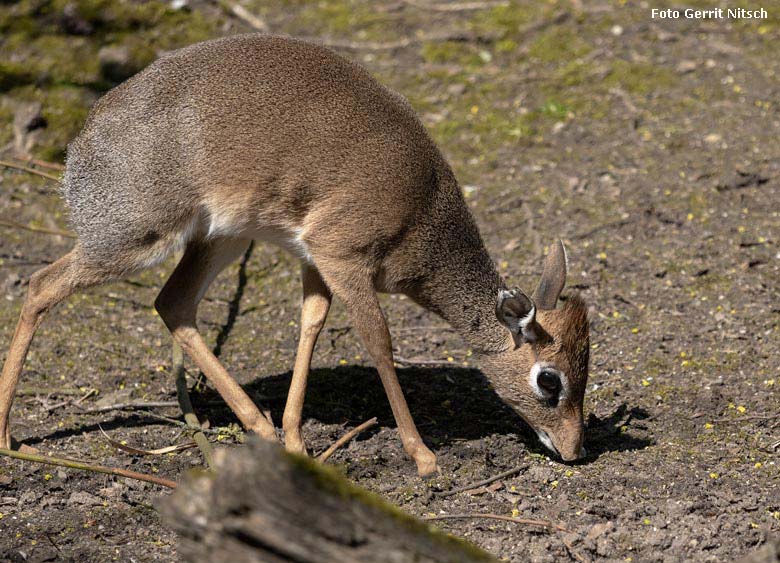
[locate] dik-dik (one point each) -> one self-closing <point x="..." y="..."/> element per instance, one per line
<point x="269" y="138"/>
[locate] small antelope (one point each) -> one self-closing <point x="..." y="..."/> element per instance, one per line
<point x="270" y="138"/>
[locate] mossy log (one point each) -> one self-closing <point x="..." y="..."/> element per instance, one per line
<point x="263" y="504"/>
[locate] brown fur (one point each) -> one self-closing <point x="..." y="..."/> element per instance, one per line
<point x="256" y="137"/>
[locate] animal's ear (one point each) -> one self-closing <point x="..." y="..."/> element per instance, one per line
<point x="517" y="312"/>
<point x="553" y="278"/>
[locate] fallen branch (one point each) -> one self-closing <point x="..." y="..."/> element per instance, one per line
<point x="179" y="423"/>
<point x="186" y="407"/>
<point x="244" y="15"/>
<point x="47" y="391"/>
<point x="66" y="402"/>
<point x="263" y="504"/>
<point x="400" y="43"/>
<point x="323" y="457"/>
<point x="43" y="163"/>
<point x="507" y="473"/>
<point x="28" y="169"/>
<point x="459" y="6"/>
<point x="526" y="521"/>
<point x="61" y="462"/>
<point x="131" y="406"/>
<point x="411" y="362"/>
<point x="139" y="451"/>
<point x="14" y="225"/>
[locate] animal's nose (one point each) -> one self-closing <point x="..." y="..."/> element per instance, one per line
<point x="574" y="456"/>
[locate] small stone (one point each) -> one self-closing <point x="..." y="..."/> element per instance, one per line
<point x="456" y="89"/>
<point x="113" y="492"/>
<point x="686" y="66"/>
<point x="713" y="138"/>
<point x="84" y="498"/>
<point x="599" y="530"/>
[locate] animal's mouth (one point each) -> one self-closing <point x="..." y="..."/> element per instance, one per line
<point x="545" y="439"/>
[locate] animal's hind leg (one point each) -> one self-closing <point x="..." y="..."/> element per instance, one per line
<point x="48" y="287"/>
<point x="314" y="311"/>
<point x="178" y="304"/>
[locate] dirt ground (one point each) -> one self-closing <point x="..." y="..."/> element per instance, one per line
<point x="650" y="147"/>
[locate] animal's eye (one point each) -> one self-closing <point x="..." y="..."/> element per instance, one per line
<point x="550" y="383"/>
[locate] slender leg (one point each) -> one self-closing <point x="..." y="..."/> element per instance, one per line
<point x="48" y="287"/>
<point x="355" y="287"/>
<point x="316" y="303"/>
<point x="178" y="304"/>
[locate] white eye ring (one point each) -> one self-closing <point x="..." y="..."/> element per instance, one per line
<point x="534" y="375"/>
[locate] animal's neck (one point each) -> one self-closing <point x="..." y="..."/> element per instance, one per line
<point x="464" y="294"/>
<point x="461" y="282"/>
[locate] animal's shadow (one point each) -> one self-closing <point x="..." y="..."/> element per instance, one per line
<point x="613" y="433"/>
<point x="448" y="404"/>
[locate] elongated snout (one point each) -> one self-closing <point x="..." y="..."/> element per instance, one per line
<point x="567" y="442"/>
<point x="569" y="445"/>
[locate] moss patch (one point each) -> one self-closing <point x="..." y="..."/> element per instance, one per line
<point x="328" y="479"/>
<point x="53" y="54"/>
<point x="639" y="78"/>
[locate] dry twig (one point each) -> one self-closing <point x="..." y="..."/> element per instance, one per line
<point x="139" y="451"/>
<point x="459" y="6"/>
<point x="526" y="521"/>
<point x="323" y="457"/>
<point x="244" y="15"/>
<point x="61" y="462"/>
<point x="132" y="405"/>
<point x="503" y="475"/>
<point x="179" y="423"/>
<point x="42" y="163"/>
<point x="14" y="225"/>
<point x="9" y="164"/>
<point x="23" y="391"/>
<point x="412" y="362"/>
<point x="186" y="407"/>
<point x="400" y="43"/>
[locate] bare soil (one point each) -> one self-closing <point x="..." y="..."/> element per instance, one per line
<point x="651" y="147"/>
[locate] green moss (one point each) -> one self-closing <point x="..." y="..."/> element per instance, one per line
<point x="14" y="74"/>
<point x="555" y="109"/>
<point x="454" y="52"/>
<point x="345" y="17"/>
<point x="558" y="45"/>
<point x="6" y="124"/>
<point x="507" y="20"/>
<point x="639" y="78"/>
<point x="574" y="73"/>
<point x="65" y="108"/>
<point x="329" y="480"/>
<point x="63" y="70"/>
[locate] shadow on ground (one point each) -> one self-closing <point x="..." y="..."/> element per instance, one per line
<point x="448" y="403"/>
